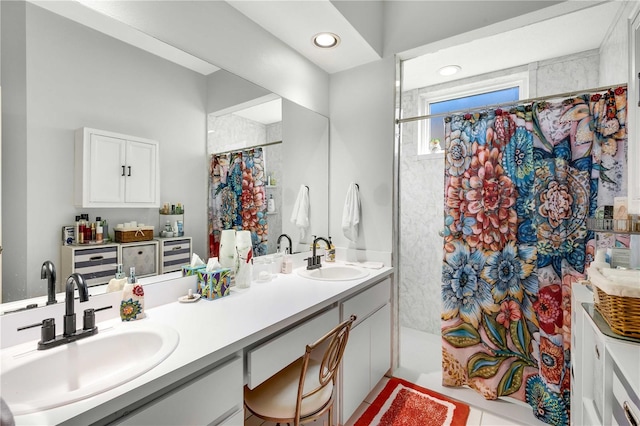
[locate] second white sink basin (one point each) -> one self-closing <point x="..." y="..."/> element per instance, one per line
<point x="334" y="273"/>
<point x="38" y="380"/>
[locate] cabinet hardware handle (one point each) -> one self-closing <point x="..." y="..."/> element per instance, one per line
<point x="140" y="253"/>
<point x="129" y="167"/>
<point x="633" y="420"/>
<point x="122" y="171"/>
<point x="94" y="258"/>
<point x="177" y="248"/>
<point x="597" y="352"/>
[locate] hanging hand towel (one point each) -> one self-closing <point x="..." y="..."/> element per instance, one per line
<point x="351" y="213"/>
<point x="300" y="214"/>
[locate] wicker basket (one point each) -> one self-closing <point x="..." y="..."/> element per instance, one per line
<point x="134" y="235"/>
<point x="621" y="312"/>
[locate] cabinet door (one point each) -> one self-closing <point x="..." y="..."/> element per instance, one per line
<point x="380" y="343"/>
<point x="356" y="369"/>
<point x="106" y="177"/>
<point x="141" y="173"/>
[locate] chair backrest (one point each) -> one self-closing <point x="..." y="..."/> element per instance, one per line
<point x="335" y="342"/>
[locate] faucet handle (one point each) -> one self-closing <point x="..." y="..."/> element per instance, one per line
<point x="48" y="331"/>
<point x="89" y="317"/>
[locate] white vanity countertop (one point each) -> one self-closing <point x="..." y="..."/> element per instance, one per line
<point x="209" y="331"/>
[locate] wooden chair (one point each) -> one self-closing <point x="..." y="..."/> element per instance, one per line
<point x="305" y="389"/>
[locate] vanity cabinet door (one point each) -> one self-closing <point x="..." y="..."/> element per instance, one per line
<point x="213" y="398"/>
<point x="115" y="170"/>
<point x="367" y="356"/>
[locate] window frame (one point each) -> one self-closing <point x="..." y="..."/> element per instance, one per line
<point x="520" y="80"/>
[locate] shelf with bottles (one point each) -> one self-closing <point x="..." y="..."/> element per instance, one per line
<point x="615" y="226"/>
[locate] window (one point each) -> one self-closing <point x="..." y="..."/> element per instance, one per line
<point x="504" y="90"/>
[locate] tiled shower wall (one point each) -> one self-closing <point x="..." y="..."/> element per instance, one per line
<point x="422" y="187"/>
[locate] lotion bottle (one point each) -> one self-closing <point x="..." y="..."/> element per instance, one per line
<point x="132" y="304"/>
<point x="287" y="264"/>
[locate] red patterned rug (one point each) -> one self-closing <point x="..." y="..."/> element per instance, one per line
<point x="403" y="403"/>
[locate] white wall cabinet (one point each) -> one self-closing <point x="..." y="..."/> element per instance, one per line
<point x="368" y="354"/>
<point x="115" y="170"/>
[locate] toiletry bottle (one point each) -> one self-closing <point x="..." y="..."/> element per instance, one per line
<point x="81" y="230"/>
<point x="271" y="205"/>
<point x="105" y="230"/>
<point x="117" y="283"/>
<point x="331" y="252"/>
<point x="287" y="264"/>
<point x="76" y="231"/>
<point x="132" y="304"/>
<point x="93" y="231"/>
<point x="99" y="231"/>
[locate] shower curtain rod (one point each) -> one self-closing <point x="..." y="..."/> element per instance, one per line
<point x="248" y="147"/>
<point x="519" y="101"/>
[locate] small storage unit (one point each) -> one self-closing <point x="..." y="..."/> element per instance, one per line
<point x="97" y="263"/>
<point x="141" y="255"/>
<point x="605" y="384"/>
<point x="174" y="252"/>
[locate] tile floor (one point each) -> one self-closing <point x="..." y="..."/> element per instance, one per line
<point x="424" y="370"/>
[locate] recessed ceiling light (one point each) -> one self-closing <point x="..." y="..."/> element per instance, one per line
<point x="449" y="70"/>
<point x="326" y="40"/>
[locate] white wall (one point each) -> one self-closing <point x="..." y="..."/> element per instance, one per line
<point x="362" y="140"/>
<point x="216" y="32"/>
<point x="78" y="77"/>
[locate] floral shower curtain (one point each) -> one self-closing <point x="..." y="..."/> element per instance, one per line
<point x="519" y="185"/>
<point x="237" y="198"/>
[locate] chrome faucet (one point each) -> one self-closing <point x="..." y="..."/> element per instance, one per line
<point x="314" y="262"/>
<point x="48" y="271"/>
<point x="290" y="244"/>
<point x="74" y="280"/>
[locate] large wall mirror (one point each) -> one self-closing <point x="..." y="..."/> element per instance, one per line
<point x="59" y="75"/>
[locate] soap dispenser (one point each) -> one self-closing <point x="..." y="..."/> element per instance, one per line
<point x="331" y="252"/>
<point x="132" y="305"/>
<point x="117" y="283"/>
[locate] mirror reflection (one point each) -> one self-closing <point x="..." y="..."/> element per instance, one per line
<point x="58" y="75"/>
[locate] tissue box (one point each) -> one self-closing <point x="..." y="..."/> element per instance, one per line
<point x="188" y="270"/>
<point x="214" y="285"/>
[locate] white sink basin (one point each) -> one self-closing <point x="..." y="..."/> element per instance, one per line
<point x="334" y="273"/>
<point x="38" y="380"/>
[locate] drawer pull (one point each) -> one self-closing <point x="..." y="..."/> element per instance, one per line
<point x="633" y="420"/>
<point x="177" y="248"/>
<point x="597" y="352"/>
<point x="140" y="253"/>
<point x="94" y="258"/>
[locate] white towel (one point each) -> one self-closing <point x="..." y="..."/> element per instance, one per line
<point x="300" y="213"/>
<point x="351" y="213"/>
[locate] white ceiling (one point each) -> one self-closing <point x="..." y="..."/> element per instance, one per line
<point x="294" y="22"/>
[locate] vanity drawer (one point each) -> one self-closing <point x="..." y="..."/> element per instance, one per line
<point x="272" y="356"/>
<point x="626" y="403"/>
<point x="142" y="255"/>
<point x="366" y="303"/>
<point x="96" y="264"/>
<point x="213" y="398"/>
<point x="174" y="252"/>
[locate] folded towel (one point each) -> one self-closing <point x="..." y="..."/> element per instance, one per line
<point x="300" y="213"/>
<point x="351" y="213"/>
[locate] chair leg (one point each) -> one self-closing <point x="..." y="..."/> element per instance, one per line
<point x="330" y="413"/>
